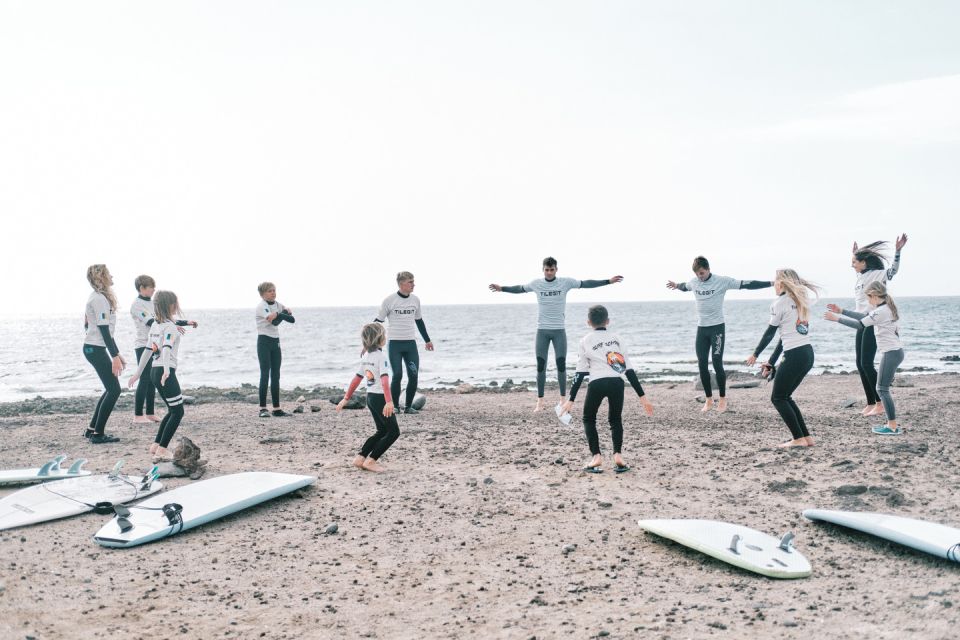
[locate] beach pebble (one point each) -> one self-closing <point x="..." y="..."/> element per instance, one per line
<point x="604" y="505"/>
<point x="170" y="470"/>
<point x="471" y="482"/>
<point x="569" y="548"/>
<point x="850" y="489"/>
<point x="900" y="381"/>
<point x="848" y="403"/>
<point x="950" y="359"/>
<point x="494" y="383"/>
<point x="314" y="408"/>
<point x="331" y="529"/>
<point x="698" y="386"/>
<point x="301" y="399"/>
<point x="253" y="398"/>
<point x="790" y="622"/>
<point x="488" y="480"/>
<point x="298" y="409"/>
<point x="749" y="384"/>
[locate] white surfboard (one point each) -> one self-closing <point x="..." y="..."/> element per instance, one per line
<point x="929" y="537"/>
<point x="195" y="504"/>
<point x="735" y="544"/>
<point x="49" y="471"/>
<point x="63" y="498"/>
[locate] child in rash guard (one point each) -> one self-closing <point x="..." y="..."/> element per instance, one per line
<point x="374" y="372"/>
<point x="270" y="314"/>
<point x="603" y="358"/>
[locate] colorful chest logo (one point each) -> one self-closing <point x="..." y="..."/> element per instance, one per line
<point x="803" y="328"/>
<point x="616" y="361"/>
<point x="370" y="377"/>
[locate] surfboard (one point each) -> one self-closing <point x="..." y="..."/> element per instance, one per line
<point x="735" y="544"/>
<point x="195" y="504"/>
<point x="929" y="537"/>
<point x="419" y="400"/>
<point x="63" y="498"/>
<point x="49" y="471"/>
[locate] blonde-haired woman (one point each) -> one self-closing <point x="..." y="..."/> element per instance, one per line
<point x="374" y="371"/>
<point x="790" y="315"/>
<point x="885" y="320"/>
<point x="100" y="321"/>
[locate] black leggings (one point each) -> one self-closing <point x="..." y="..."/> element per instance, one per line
<point x="401" y="352"/>
<point x="597" y="390"/>
<point x="103" y="365"/>
<point x="145" y="388"/>
<point x="387" y="428"/>
<point x="268" y="353"/>
<point x="866" y="354"/>
<point x="796" y="364"/>
<point x="710" y="341"/>
<point x="170" y="392"/>
<point x="559" y="339"/>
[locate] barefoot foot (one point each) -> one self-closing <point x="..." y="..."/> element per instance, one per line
<point x="141" y="420"/>
<point x="372" y="465"/>
<point x="541" y="405"/>
<point x="358" y="461"/>
<point x="799" y="442"/>
<point x="707" y="405"/>
<point x="153" y="418"/>
<point x="722" y="405"/>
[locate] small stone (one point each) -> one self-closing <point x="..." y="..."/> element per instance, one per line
<point x="301" y="399"/>
<point x="604" y="505"/>
<point x="488" y="480"/>
<point x="331" y="529"/>
<point x="850" y="490"/>
<point x="298" y="409"/>
<point x="848" y="403"/>
<point x="494" y="383"/>
<point x="790" y="622"/>
<point x="471" y="482"/>
<point x="466" y="387"/>
<point x="568" y="548"/>
<point x="314" y="408"/>
<point x="252" y="398"/>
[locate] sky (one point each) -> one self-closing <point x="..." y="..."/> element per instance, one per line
<point x="325" y="146"/>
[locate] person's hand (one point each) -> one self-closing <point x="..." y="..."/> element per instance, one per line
<point x="832" y="317"/>
<point x="671" y="284"/>
<point x="182" y="330"/>
<point x="288" y="310"/>
<point x="616" y="279"/>
<point x="341" y="404"/>
<point x="163" y="378"/>
<point x="901" y="240"/>
<point x="132" y="381"/>
<point x="566" y="406"/>
<point x="495" y="287"/>
<point x="855" y="246"/>
<point x="834" y="308"/>
<point x="647" y="405"/>
<point x="271" y="317"/>
<point x="193" y="323"/>
<point x="429" y="346"/>
<point x="388" y="409"/>
<point x="752" y="360"/>
<point x="117" y="366"/>
<point x="765" y="369"/>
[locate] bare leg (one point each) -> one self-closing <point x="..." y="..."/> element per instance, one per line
<point x="372" y="465"/>
<point x="541" y="405"/>
<point x="707" y="405"/>
<point x="722" y="405"/>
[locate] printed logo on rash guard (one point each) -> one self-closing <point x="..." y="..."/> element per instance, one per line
<point x="551" y="293"/>
<point x="616" y="361"/>
<point x="803" y="328"/>
<point x="370" y="379"/>
<point x="404" y="311"/>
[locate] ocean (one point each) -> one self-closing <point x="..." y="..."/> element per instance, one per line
<point x="478" y="344"/>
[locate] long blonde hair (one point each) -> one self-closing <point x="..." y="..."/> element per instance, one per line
<point x="372" y="336"/>
<point x="99" y="278"/>
<point x="165" y="306"/>
<point x="796" y="287"/>
<point x="879" y="290"/>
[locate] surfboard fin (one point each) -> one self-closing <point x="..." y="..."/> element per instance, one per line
<point x="786" y="542"/>
<point x="76" y="466"/>
<point x="735" y="544"/>
<point x="116" y="469"/>
<point x="51" y="466"/>
<point x="149" y="477"/>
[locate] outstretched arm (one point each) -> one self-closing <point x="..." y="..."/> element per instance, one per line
<point x="755" y="284"/>
<point x="592" y="284"/>
<point x="892" y="271"/>
<point x="513" y="288"/>
<point x="677" y="286"/>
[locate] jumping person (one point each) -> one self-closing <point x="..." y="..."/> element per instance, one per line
<point x="401" y="312"/>
<point x="790" y="315"/>
<point x="373" y="371"/>
<point x="870" y="263"/>
<point x="603" y="358"/>
<point x="270" y="314"/>
<point x="163" y="349"/>
<point x="709" y="291"/>
<point x="100" y="321"/>
<point x="885" y="320"/>
<point x="142" y="311"/>
<point x="551" y="312"/>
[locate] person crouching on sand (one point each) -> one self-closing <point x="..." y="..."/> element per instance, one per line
<point x="604" y="359"/>
<point x="374" y="371"/>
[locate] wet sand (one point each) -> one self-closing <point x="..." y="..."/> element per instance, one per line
<point x="486" y="527"/>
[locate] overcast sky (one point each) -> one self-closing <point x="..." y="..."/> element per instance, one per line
<point x="327" y="145"/>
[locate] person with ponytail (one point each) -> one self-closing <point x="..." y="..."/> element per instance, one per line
<point x="374" y="372"/>
<point x="870" y="263"/>
<point x="790" y="315"/>
<point x="885" y="321"/>
<point x="163" y="348"/>
<point x="100" y="321"/>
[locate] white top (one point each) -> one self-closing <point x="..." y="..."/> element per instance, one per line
<point x="166" y="337"/>
<point x="373" y="366"/>
<point x="709" y="295"/>
<point x="551" y="300"/>
<point x="264" y="309"/>
<point x="887" y="329"/>
<point x="97" y="314"/>
<point x="142" y="312"/>
<point x="783" y="315"/>
<point x="400" y="313"/>
<point x="864" y="278"/>
<point x="602" y="355"/>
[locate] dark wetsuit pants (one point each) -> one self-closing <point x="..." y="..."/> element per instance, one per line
<point x="387" y="428"/>
<point x="103" y="365"/>
<point x="710" y="343"/>
<point x="866" y="354"/>
<point x="145" y="388"/>
<point x="796" y="364"/>
<point x="268" y="353"/>
<point x="400" y="353"/>
<point x="597" y="390"/>
<point x="170" y="392"/>
<point x="559" y="339"/>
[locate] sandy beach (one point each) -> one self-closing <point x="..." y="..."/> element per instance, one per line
<point x="486" y="527"/>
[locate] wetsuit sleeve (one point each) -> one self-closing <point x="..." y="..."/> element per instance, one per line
<point x="755" y="284"/>
<point x="182" y="323"/>
<point x="353" y="386"/>
<point x="892" y="271"/>
<point x="856" y="315"/>
<point x="850" y="322"/>
<point x="108" y="339"/>
<point x="144" y="359"/>
<point x="150" y="322"/>
<point x="283" y="316"/>
<point x="422" y="328"/>
<point x="593" y="284"/>
<point x="682" y="286"/>
<point x="634" y="382"/>
<point x="575" y="387"/>
<point x="514" y="288"/>
<point x="765" y="340"/>
<point x="776" y="353"/>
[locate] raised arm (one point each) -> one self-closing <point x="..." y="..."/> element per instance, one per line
<point x="593" y="284"/>
<point x="513" y="288"/>
<point x="892" y="271"/>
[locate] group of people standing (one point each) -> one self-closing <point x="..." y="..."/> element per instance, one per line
<point x="603" y="357"/>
